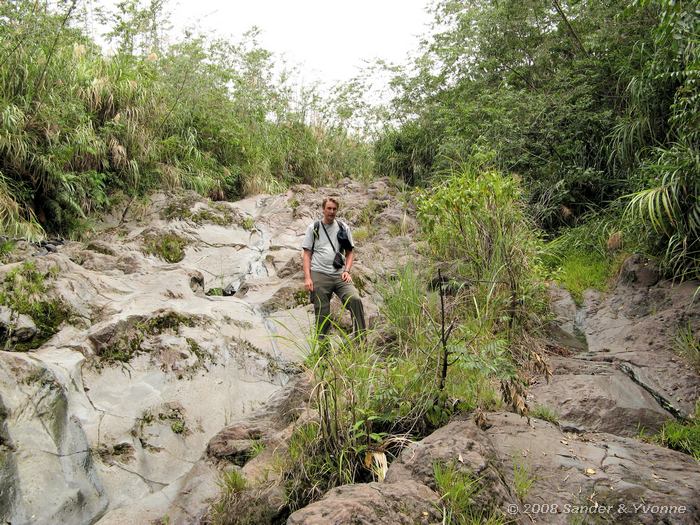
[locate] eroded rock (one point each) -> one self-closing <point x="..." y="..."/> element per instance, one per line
<point x="627" y="481"/>
<point x="598" y="397"/>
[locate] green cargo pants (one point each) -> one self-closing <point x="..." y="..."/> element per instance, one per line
<point x="324" y="287"/>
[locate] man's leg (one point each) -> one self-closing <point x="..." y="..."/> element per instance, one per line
<point x="321" y="297"/>
<point x="351" y="299"/>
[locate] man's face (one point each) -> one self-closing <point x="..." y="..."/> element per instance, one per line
<point x="329" y="211"/>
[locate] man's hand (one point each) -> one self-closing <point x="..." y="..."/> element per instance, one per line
<point x="309" y="284"/>
<point x="345" y="276"/>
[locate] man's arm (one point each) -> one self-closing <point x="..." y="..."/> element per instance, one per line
<point x="349" y="257"/>
<point x="308" y="283"/>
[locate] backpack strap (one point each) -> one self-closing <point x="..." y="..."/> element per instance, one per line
<point x="316" y="223"/>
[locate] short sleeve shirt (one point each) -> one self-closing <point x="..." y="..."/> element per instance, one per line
<point x="323" y="255"/>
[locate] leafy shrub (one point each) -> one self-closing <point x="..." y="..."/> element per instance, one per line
<point x="476" y="225"/>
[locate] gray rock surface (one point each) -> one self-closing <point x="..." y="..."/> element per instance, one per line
<point x="597" y="397"/>
<point x="15" y="327"/>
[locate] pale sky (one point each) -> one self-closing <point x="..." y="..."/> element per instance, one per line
<point x="328" y="39"/>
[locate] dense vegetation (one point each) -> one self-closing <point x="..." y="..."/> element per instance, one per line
<point x="595" y="104"/>
<point x="78" y="127"/>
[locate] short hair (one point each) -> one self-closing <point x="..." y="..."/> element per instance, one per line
<point x="331" y="199"/>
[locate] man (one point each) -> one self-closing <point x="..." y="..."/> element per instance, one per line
<point x="322" y="278"/>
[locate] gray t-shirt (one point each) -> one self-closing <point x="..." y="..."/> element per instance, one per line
<point x="322" y="258"/>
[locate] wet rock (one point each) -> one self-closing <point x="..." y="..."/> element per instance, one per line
<point x="219" y="370"/>
<point x="196" y="281"/>
<point x="286" y="298"/>
<point x="405" y="502"/>
<point x="565" y="330"/>
<point x="634" y="327"/>
<point x="639" y="271"/>
<point x="101" y="247"/>
<point x="292" y="267"/>
<point x="40" y="443"/>
<point x="105" y="339"/>
<point x="235" y="441"/>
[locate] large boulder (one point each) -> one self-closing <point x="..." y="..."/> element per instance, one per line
<point x="406" y="502"/>
<point x="47" y="474"/>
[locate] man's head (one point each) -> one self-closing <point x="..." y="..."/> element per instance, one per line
<point x="330" y="208"/>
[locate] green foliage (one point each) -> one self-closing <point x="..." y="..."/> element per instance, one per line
<point x="6" y="248"/>
<point x="365" y="402"/>
<point x="475" y="224"/>
<point x="537" y="85"/>
<point x="668" y="176"/>
<point x="671" y="208"/>
<point x="407" y="153"/>
<point x="687" y="344"/>
<point x="131" y="342"/>
<point x="168" y="246"/>
<point x="371" y="398"/>
<point x="25" y="291"/>
<point x="176" y="419"/>
<point x="257" y="448"/>
<point x="580" y="271"/>
<point x="684" y="437"/>
<point x="248" y="223"/>
<point x="522" y="479"/>
<point x="587" y="102"/>
<point x="579" y="258"/>
<point x="403" y="308"/>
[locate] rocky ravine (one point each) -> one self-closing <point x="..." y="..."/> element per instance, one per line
<point x="109" y="420"/>
<point x="88" y="438"/>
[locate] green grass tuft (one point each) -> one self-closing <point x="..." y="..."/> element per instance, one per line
<point x="168" y="246"/>
<point x="522" y="480"/>
<point x="687" y="344"/>
<point x="545" y="413"/>
<point x="458" y="490"/>
<point x="684" y="437"/>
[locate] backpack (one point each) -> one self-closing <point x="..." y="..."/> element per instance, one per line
<point x="344" y="244"/>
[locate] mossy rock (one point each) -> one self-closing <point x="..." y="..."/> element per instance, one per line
<point x="25" y="290"/>
<point x="168" y="246"/>
<point x="121" y="342"/>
